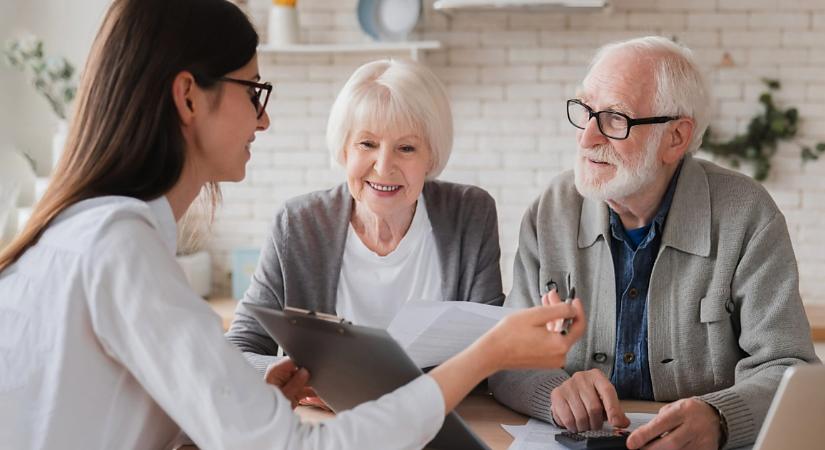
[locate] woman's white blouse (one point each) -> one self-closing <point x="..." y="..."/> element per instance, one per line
<point x="372" y="288"/>
<point x="103" y="345"/>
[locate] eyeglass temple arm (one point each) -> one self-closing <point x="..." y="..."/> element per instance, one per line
<point x="650" y="120"/>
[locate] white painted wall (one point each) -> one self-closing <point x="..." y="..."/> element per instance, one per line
<point x="67" y="28"/>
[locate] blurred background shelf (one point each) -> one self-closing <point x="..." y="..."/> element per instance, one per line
<point x="413" y="47"/>
<point x="476" y="5"/>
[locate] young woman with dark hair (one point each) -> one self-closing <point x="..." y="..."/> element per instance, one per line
<point x="104" y="345"/>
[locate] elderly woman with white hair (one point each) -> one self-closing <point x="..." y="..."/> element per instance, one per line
<point x="389" y="235"/>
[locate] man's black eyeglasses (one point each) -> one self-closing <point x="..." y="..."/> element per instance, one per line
<point x="259" y="88"/>
<point x="612" y="124"/>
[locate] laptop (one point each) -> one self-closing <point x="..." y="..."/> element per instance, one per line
<point x="796" y="417"/>
<point x="352" y="364"/>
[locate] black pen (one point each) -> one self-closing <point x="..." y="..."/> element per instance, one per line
<point x="571" y="294"/>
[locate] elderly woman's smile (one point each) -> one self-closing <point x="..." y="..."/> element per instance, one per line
<point x="384" y="188"/>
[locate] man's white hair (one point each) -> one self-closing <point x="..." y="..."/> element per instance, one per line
<point x="389" y="95"/>
<point x="681" y="87"/>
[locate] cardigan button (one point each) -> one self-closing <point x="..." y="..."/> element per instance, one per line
<point x="599" y="357"/>
<point x="629" y="357"/>
<point x="633" y="293"/>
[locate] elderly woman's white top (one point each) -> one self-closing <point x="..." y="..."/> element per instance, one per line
<point x="103" y="345"/>
<point x="373" y="288"/>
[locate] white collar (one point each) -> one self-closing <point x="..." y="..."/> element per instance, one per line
<point x="165" y="218"/>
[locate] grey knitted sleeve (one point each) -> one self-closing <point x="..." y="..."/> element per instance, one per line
<point x="265" y="289"/>
<point x="774" y="331"/>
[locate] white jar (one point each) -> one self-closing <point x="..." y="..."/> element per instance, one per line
<point x="283" y="25"/>
<point x="198" y="270"/>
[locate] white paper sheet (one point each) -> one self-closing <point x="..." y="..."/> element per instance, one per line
<point x="539" y="435"/>
<point x="432" y="332"/>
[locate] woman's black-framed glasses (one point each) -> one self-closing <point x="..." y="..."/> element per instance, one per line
<point x="260" y="89"/>
<point x="612" y="124"/>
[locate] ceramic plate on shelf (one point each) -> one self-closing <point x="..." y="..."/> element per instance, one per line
<point x="388" y="20"/>
<point x="366" y="17"/>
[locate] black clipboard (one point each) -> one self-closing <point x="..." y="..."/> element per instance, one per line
<point x="352" y="364"/>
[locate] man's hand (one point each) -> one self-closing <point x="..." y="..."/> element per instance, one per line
<point x="584" y="402"/>
<point x="291" y="380"/>
<point x="689" y="423"/>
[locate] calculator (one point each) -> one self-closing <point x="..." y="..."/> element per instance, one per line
<point x="613" y="439"/>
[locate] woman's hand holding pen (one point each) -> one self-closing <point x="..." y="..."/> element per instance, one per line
<point x="519" y="341"/>
<point x="552" y="298"/>
<point x="531" y="338"/>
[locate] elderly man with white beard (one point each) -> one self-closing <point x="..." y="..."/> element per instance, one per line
<point x="686" y="269"/>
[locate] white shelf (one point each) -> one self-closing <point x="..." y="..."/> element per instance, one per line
<point x="414" y="47"/>
<point x="457" y="5"/>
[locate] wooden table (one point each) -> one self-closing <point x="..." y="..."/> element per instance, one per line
<point x="816" y="317"/>
<point x="225" y="307"/>
<point x="485" y="415"/>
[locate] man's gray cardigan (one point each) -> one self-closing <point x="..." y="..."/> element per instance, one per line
<point x="300" y="261"/>
<point x="725" y="318"/>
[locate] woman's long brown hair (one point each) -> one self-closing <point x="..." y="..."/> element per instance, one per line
<point x="126" y="137"/>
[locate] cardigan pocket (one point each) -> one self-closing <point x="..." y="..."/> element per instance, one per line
<point x="557" y="279"/>
<point x="715" y="314"/>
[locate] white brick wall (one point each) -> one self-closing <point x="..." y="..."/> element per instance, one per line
<point x="508" y="74"/>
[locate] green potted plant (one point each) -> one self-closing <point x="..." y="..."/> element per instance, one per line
<point x="51" y="76"/>
<point x="766" y="129"/>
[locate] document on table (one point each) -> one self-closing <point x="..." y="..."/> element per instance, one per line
<point x="432" y="332"/>
<point x="539" y="435"/>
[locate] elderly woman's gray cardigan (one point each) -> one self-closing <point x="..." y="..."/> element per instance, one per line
<point x="300" y="262"/>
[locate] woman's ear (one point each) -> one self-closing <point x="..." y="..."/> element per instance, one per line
<point x="343" y="156"/>
<point x="183" y="91"/>
<point x="342" y="159"/>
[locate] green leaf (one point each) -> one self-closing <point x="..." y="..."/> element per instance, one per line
<point x="807" y="155"/>
<point x="51" y="76"/>
<point x="763" y="167"/>
<point x="779" y="126"/>
<point x="792" y="114"/>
